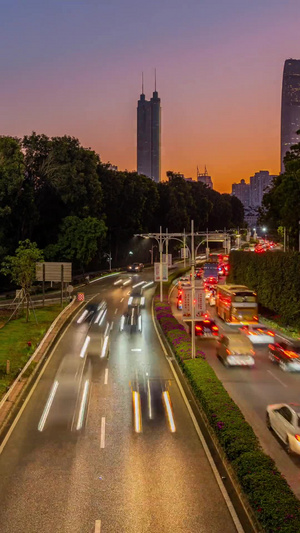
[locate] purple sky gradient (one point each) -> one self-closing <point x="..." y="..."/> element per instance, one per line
<point x="74" y="67"/>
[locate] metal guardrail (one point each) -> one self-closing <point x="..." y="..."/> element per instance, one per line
<point x="18" y="378"/>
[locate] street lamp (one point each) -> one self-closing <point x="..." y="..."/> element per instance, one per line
<point x="151" y="252"/>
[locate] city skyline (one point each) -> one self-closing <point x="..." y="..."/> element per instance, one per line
<point x="290" y="106"/>
<point x="75" y="70"/>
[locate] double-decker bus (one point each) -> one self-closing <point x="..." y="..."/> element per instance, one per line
<point x="236" y="304"/>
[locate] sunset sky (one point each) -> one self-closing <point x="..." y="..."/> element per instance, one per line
<point x="74" y="67"/>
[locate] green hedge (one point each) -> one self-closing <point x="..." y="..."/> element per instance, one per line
<point x="274" y="505"/>
<point x="274" y="276"/>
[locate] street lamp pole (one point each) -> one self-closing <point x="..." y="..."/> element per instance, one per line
<point x="184" y="246"/>
<point x="193" y="289"/>
<point x="160" y="263"/>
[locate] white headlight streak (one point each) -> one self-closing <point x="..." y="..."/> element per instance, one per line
<point x="84" y="347"/>
<point x="42" y="422"/>
<point x="82" y="317"/>
<point x="82" y="405"/>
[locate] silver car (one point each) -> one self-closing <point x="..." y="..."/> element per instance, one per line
<point x="284" y="419"/>
<point x="235" y="349"/>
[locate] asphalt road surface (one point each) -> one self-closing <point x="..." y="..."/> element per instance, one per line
<point x="254" y="389"/>
<point x="106" y="444"/>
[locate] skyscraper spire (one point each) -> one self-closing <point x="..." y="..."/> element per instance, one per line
<point x="142" y="83"/>
<point x="155" y="80"/>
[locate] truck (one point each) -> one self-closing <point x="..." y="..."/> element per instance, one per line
<point x="210" y="270"/>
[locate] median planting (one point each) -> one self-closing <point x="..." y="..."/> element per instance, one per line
<point x="273" y="504"/>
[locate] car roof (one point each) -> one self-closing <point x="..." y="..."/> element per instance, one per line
<point x="237" y="340"/>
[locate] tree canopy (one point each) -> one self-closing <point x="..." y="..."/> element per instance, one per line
<point x="281" y="204"/>
<point x="60" y="195"/>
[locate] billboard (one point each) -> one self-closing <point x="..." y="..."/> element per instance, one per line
<point x="187" y="303"/>
<point x="200" y="303"/>
<point x="157" y="272"/>
<point x="54" y="271"/>
<point x="167" y="259"/>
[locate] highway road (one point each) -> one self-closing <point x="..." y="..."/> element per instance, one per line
<point x="252" y="390"/>
<point x="106" y="444"/>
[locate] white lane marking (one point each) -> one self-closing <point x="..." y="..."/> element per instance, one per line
<point x="111" y="326"/>
<point x="222" y="488"/>
<point x="122" y="299"/>
<point x="102" y="440"/>
<point x="136" y="349"/>
<point x="106" y="376"/>
<point x="82" y="405"/>
<point x="98" y="526"/>
<point x="48" y="406"/>
<point x="116" y="310"/>
<point x="275" y="377"/>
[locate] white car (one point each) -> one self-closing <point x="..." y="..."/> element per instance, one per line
<point x="258" y="334"/>
<point x="284" y="419"/>
<point x="212" y="300"/>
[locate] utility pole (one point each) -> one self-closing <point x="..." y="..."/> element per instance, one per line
<point x="299" y="236"/>
<point x="193" y="289"/>
<point x="184" y="248"/>
<point x="160" y="263"/>
<point x="284" y="239"/>
<point x="167" y="248"/>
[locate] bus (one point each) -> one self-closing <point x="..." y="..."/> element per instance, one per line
<point x="236" y="304"/>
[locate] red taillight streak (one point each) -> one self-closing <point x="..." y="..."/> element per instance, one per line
<point x="297" y="437"/>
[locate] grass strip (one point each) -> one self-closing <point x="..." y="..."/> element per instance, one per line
<point x="19" y="339"/>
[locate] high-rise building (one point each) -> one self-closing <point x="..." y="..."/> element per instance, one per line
<point x="148" y="135"/>
<point x="204" y="178"/>
<point x="242" y="192"/>
<point x="290" y="106"/>
<point x="251" y="194"/>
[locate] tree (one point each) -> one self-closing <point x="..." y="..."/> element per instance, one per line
<point x="79" y="240"/>
<point x="64" y="178"/>
<point x="21" y="268"/>
<point x="12" y="173"/>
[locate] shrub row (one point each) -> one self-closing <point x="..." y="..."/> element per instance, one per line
<point x="275" y="278"/>
<point x="274" y="505"/>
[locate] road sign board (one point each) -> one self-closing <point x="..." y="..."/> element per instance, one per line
<point x="70" y="289"/>
<point x="80" y="296"/>
<point x="54" y="271"/>
<point x="184" y="253"/>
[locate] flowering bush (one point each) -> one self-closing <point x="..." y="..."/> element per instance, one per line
<point x="273" y="503"/>
<point x="177" y="336"/>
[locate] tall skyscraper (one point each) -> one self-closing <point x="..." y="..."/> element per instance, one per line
<point x="148" y="135"/>
<point x="290" y="106"/>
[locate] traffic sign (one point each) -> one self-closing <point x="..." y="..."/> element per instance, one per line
<point x="70" y="289"/>
<point x="80" y="296"/>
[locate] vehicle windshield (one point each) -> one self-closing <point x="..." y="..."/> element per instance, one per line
<point x="244" y="297"/>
